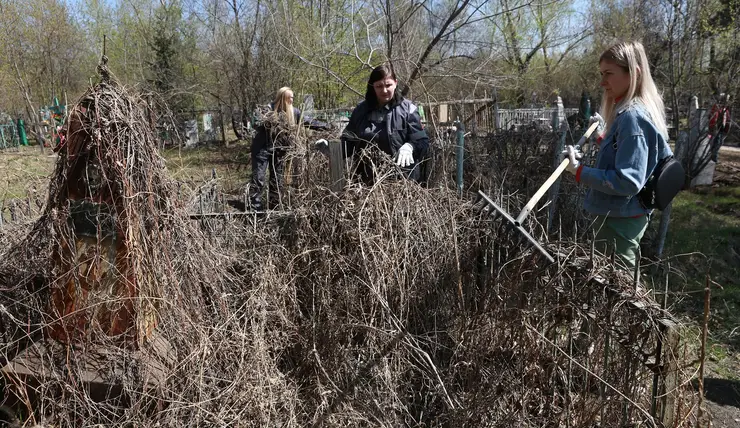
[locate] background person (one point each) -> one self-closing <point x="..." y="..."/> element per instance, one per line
<point x="719" y="124"/>
<point x="276" y="133"/>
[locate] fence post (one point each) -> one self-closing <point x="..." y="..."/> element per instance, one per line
<point x="703" y="349"/>
<point x="555" y="189"/>
<point x="496" y="118"/>
<point x="669" y="369"/>
<point x="665" y="218"/>
<point x="460" y="155"/>
<point x="223" y="125"/>
<point x="336" y="165"/>
<point x="659" y="357"/>
<point x="665" y="215"/>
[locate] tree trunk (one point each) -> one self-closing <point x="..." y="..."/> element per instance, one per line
<point x="33" y="116"/>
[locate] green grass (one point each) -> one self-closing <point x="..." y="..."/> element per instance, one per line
<point x="706" y="221"/>
<point x="28" y="170"/>
<point x="721" y="360"/>
<point x="24" y="171"/>
<point x="193" y="167"/>
<point x="704" y="238"/>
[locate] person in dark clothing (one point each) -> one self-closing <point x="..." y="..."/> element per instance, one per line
<point x="387" y="121"/>
<point x="719" y="124"/>
<point x="276" y="133"/>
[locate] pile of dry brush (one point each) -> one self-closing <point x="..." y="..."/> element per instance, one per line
<point x="386" y="305"/>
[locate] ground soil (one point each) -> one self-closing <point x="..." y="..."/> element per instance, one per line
<point x="727" y="172"/>
<point x="723" y="402"/>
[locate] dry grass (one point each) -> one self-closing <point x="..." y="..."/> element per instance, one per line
<point x="24" y="171"/>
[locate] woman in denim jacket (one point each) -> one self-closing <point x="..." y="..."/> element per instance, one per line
<point x="633" y="138"/>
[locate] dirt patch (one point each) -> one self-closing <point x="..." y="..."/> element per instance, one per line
<point x="727" y="172"/>
<point x="723" y="401"/>
<point x="725" y="185"/>
<point x="723" y="416"/>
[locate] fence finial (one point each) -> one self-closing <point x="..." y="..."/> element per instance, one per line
<point x="102" y="69"/>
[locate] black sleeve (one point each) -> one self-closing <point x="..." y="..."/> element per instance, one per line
<point x="416" y="135"/>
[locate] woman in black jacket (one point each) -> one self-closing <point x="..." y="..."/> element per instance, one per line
<point x="389" y="122"/>
<point x="276" y="133"/>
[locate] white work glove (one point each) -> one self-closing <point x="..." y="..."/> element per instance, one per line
<point x="405" y="155"/>
<point x="322" y="145"/>
<point x="602" y="124"/>
<point x="573" y="155"/>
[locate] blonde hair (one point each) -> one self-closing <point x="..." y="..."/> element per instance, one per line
<point x="283" y="104"/>
<point x="631" y="57"/>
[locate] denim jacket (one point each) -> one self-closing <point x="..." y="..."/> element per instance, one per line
<point x="629" y="152"/>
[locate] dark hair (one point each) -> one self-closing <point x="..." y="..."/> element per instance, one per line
<point x="380" y="72"/>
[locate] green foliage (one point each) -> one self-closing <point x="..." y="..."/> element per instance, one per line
<point x="41" y="48"/>
<point x="718" y="16"/>
<point x="169" y="46"/>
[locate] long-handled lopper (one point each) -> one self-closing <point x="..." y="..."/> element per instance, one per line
<point x="516" y="223"/>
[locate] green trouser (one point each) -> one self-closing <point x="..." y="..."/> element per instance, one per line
<point x="625" y="232"/>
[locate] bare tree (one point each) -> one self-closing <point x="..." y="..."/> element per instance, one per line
<point x="39" y="44"/>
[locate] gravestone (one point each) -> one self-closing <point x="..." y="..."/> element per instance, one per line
<point x="681" y="147"/>
<point x="308" y="106"/>
<point x="699" y="146"/>
<point x="208" y="131"/>
<point x="705" y="177"/>
<point x="443" y="113"/>
<point x="191" y="133"/>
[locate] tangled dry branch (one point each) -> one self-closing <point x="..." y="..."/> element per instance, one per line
<point x="384" y="305"/>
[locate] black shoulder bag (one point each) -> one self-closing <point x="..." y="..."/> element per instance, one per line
<point x="663" y="185"/>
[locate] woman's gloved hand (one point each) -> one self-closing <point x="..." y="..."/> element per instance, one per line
<point x="602" y="124"/>
<point x="405" y="155"/>
<point x="322" y="146"/>
<point x="574" y="155"/>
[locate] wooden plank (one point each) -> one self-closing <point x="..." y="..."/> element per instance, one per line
<point x="336" y="166"/>
<point x="99" y="368"/>
<point x="671" y="381"/>
<point x="443" y="116"/>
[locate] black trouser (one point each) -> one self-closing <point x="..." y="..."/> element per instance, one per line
<point x="261" y="158"/>
<point x="719" y="139"/>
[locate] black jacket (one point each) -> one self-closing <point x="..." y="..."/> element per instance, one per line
<point x="389" y="127"/>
